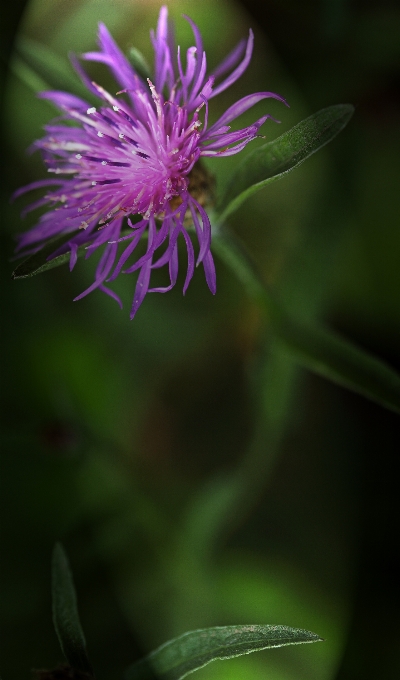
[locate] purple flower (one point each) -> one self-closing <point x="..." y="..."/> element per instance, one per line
<point x="139" y="156"/>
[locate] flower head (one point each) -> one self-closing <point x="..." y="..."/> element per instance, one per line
<point x="139" y="155"/>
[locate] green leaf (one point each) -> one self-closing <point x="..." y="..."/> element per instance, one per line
<point x="27" y="75"/>
<point x="37" y="263"/>
<point x="315" y="348"/>
<point x="275" y="159"/>
<point x="193" y="650"/>
<point x="41" y="68"/>
<point x="337" y="359"/>
<point x="139" y="63"/>
<point x="65" y="613"/>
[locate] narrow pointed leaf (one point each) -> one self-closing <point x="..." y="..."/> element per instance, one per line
<point x="65" y="613"/>
<point x="333" y="357"/>
<point x="275" y="159"/>
<point x="27" y="75"/>
<point x="50" y="70"/>
<point x="185" y="654"/>
<point x="139" y="63"/>
<point x="38" y="262"/>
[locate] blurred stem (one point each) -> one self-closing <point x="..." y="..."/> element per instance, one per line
<point x="274" y="383"/>
<point x="320" y="350"/>
<point x="224" y="502"/>
<point x="232" y="251"/>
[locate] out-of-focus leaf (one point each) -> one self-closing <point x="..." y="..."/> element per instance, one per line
<point x="275" y="159"/>
<point x="316" y="348"/>
<point x="337" y="359"/>
<point x="65" y="613"/>
<point x="185" y="654"/>
<point x="139" y="63"/>
<point x="51" y="71"/>
<point x="27" y="75"/>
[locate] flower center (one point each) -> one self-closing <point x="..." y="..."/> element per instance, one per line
<point x="201" y="187"/>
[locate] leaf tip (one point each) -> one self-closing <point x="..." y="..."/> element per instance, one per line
<point x="317" y="638"/>
<point x="59" y="554"/>
<point x="65" y="612"/>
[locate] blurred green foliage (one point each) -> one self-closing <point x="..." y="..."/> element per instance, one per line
<point x="126" y="440"/>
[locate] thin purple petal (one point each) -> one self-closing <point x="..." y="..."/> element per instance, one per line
<point x="74" y="256"/>
<point x="103" y="268"/>
<point x="82" y="74"/>
<point x="209" y="270"/>
<point x="125" y="255"/>
<point x="163" y="58"/>
<point x="239" y="69"/>
<point x="114" y="58"/>
<point x="35" y="185"/>
<point x="117" y="160"/>
<point x="240" y="107"/>
<point x="203" y="234"/>
<point x="200" y="54"/>
<point x="190" y="267"/>
<point x="111" y="293"/>
<point x="64" y="100"/>
<point x="142" y="287"/>
<point x="231" y="60"/>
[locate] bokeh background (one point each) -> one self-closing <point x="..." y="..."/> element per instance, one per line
<point x="194" y="474"/>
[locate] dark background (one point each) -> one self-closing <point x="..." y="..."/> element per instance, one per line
<point x="113" y="430"/>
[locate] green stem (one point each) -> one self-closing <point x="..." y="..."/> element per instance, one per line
<point x="222" y="504"/>
<point x="315" y="348"/>
<point x="232" y="252"/>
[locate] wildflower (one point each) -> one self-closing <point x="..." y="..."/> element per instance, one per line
<point x="139" y="156"/>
